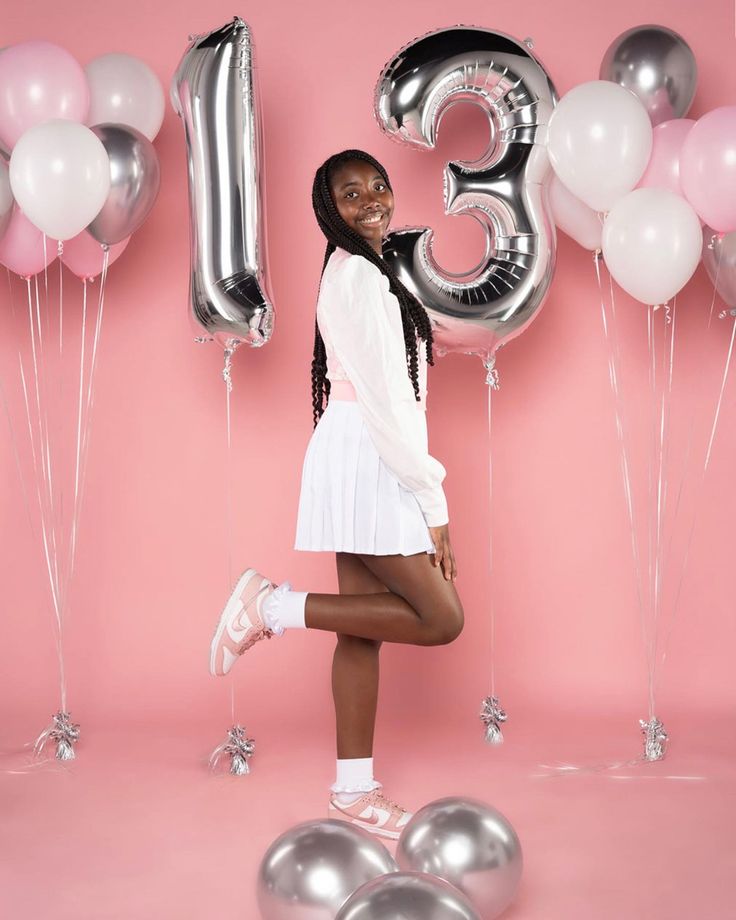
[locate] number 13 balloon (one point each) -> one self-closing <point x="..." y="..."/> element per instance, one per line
<point x="505" y="189"/>
<point x="215" y="92"/>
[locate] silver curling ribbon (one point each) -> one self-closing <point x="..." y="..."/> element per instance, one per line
<point x="655" y="738"/>
<point x="239" y="747"/>
<point x="492" y="716"/>
<point x="215" y="92"/>
<point x="505" y="189"/>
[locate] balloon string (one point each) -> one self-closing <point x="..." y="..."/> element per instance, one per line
<point x="39" y="464"/>
<point x="650" y="508"/>
<point x="88" y="408"/>
<point x="78" y="446"/>
<point x="41" y="371"/>
<point x="59" y="252"/>
<point x="47" y="504"/>
<point x="699" y="489"/>
<point x="684" y="476"/>
<point x="613" y="363"/>
<point x="229" y="502"/>
<point x="663" y="476"/>
<point x="490" y="546"/>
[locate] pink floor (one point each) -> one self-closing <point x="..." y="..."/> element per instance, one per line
<point x="136" y="829"/>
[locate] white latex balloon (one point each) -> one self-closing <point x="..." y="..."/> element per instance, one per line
<point x="60" y="177"/>
<point x="599" y="141"/>
<point x="125" y="91"/>
<point x="652" y="242"/>
<point x="574" y="217"/>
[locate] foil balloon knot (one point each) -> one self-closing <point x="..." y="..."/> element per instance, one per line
<point x="492" y="378"/>
<point x="597" y="255"/>
<point x="655" y="738"/>
<point x="491" y="715"/>
<point x="239" y="747"/>
<point x="63" y="732"/>
<point x="230" y="348"/>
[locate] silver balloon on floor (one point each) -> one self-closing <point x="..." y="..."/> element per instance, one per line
<point x="312" y="869"/>
<point x="409" y="896"/>
<point x="469" y="844"/>
<point x="505" y="189"/>
<point x="655" y="64"/>
<point x="215" y="91"/>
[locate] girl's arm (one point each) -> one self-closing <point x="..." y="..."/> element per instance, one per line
<point x="365" y="327"/>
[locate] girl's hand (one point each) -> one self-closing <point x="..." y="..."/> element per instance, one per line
<point x="444" y="555"/>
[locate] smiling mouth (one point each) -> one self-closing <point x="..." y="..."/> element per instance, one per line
<point x="373" y="219"/>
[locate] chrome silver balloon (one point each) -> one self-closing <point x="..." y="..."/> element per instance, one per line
<point x="658" y="66"/>
<point x="469" y="844"/>
<point x="719" y="258"/>
<point x="215" y="91"/>
<point x="505" y="189"/>
<point x="134" y="182"/>
<point x="312" y="869"/>
<point x="409" y="896"/>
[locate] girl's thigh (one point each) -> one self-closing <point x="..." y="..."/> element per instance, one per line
<point x="419" y="583"/>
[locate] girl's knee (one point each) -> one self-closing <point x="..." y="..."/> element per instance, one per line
<point x="447" y="627"/>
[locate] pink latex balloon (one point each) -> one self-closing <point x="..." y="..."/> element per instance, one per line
<point x="708" y="168"/>
<point x="21" y="248"/>
<point x="39" y="81"/>
<point x="663" y="170"/>
<point x="83" y="255"/>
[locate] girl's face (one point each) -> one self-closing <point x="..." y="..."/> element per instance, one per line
<point x="363" y="200"/>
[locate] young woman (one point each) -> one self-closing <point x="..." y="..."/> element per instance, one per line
<point x="370" y="491"/>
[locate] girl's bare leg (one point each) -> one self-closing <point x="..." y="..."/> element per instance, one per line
<point x="355" y="668"/>
<point x="420" y="607"/>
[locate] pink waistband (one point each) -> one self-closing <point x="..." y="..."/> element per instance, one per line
<point x="342" y="389"/>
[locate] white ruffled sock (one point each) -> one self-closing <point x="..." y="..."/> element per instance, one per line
<point x="354" y="779"/>
<point x="284" y="609"/>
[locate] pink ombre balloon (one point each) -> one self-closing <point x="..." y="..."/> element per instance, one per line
<point x="39" y="81"/>
<point x="663" y="170"/>
<point x="21" y="248"/>
<point x="83" y="255"/>
<point x="708" y="168"/>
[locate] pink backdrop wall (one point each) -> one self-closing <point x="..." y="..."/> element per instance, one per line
<point x="152" y="570"/>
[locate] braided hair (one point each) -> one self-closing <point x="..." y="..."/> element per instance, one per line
<point x="414" y="317"/>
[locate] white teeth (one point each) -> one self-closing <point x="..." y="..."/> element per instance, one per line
<point x="371" y="220"/>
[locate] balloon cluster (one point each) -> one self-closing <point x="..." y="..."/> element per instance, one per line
<point x="76" y="159"/>
<point x="635" y="179"/>
<point x="456" y="857"/>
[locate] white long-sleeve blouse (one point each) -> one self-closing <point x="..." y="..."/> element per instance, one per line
<point x="360" y="322"/>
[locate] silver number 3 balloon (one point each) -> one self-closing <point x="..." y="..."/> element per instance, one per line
<point x="215" y="92"/>
<point x="505" y="189"/>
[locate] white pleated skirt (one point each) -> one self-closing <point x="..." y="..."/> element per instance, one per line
<point x="350" y="501"/>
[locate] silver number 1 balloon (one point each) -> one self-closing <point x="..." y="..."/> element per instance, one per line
<point x="215" y="92"/>
<point x="505" y="189"/>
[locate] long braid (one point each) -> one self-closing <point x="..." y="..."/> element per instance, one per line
<point x="414" y="319"/>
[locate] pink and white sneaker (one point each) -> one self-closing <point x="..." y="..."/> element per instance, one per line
<point x="241" y="623"/>
<point x="373" y="812"/>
